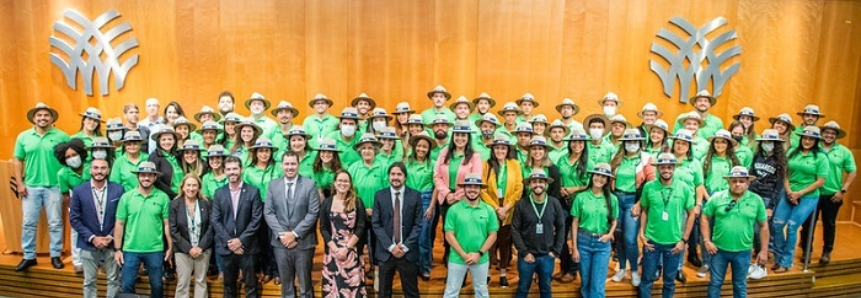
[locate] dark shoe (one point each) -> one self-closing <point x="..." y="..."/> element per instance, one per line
<point x="503" y="282"/>
<point x="57" y="263"/>
<point x="681" y="277"/>
<point x="168" y="275"/>
<point x="558" y="275"/>
<point x="79" y="269"/>
<point x="774" y="267"/>
<point x="567" y="278"/>
<point x="24" y="264"/>
<point x="695" y="260"/>
<point x="825" y="259"/>
<point x="426" y="277"/>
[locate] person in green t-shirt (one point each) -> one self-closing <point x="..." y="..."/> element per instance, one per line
<point x="657" y="138"/>
<point x="735" y="214"/>
<point x="230" y="134"/>
<point x="599" y="150"/>
<point x="215" y="178"/>
<point x="702" y="103"/>
<point x="391" y="150"/>
<point x="690" y="171"/>
<point x="748" y="120"/>
<point x="808" y="168"/>
<point x="439" y="95"/>
<point x="73" y="173"/>
<point x="321" y="123"/>
<point x="299" y="143"/>
<point x="742" y="151"/>
<point x="142" y="231"/>
<point x="369" y="176"/>
<point x="840" y="161"/>
<point x="470" y="228"/>
<point x="694" y="122"/>
<point x="209" y="133"/>
<point x="809" y="116"/>
<point x="326" y="164"/>
<point x="783" y="124"/>
<point x="167" y="159"/>
<point x="345" y="137"/>
<point x="557" y="131"/>
<point x="666" y="221"/>
<point x="247" y="132"/>
<point x="263" y="169"/>
<point x="420" y="177"/>
<point x="719" y="160"/>
<point x="595" y="210"/>
<point x="483" y="103"/>
<point x="402" y="113"/>
<point x="130" y="157"/>
<point x="284" y="113"/>
<point x="185" y="129"/>
<point x="192" y="161"/>
<point x="91" y="126"/>
<point x="509" y="113"/>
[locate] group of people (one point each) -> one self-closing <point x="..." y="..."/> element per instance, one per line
<point x="244" y="197"/>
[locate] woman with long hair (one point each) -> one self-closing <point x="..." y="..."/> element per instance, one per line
<point x="215" y="177"/>
<point x="402" y="116"/>
<point x="261" y="170"/>
<point x="209" y="133"/>
<point x="299" y="143"/>
<point x="192" y="162"/>
<point x="573" y="168"/>
<point x="504" y="189"/>
<point x="415" y="127"/>
<point x="538" y="159"/>
<point x="91" y="126"/>
<point x="247" y="133"/>
<point x="783" y="124"/>
<point x="326" y="163"/>
<point x="808" y="167"/>
<point x="659" y="136"/>
<point x="632" y="167"/>
<point x="130" y="157"/>
<point x="192" y="236"/>
<point x="172" y="111"/>
<point x="391" y="151"/>
<point x="716" y="165"/>
<point x="595" y="210"/>
<point x="342" y="225"/>
<point x="420" y="177"/>
<point x="184" y="128"/>
<point x="229" y="136"/>
<point x="770" y="169"/>
<point x="748" y="119"/>
<point x="742" y="151"/>
<point x="166" y="159"/>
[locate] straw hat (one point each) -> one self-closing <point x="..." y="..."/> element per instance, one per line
<point x="501" y="139"/>
<point x="610" y="96"/>
<point x="318" y="97"/>
<point x="650" y="107"/>
<point x="602" y="168"/>
<point x="42" y="106"/>
<point x="263" y="142"/>
<point x="810" y="131"/>
<point x="115" y="124"/>
<point x="703" y="93"/>
<point x="327" y="144"/>
<point x="632" y="134"/>
<point x="217" y="150"/>
<point x="684" y="135"/>
<point x="597" y="117"/>
<point x="836" y="127"/>
<point x="146" y="167"/>
<point x="183" y="121"/>
<point x="380" y="113"/>
<point x="577" y="135"/>
<point x="770" y="135"/>
<point x="724" y="134"/>
<point x="210" y="125"/>
<point x="164" y="129"/>
<point x="693" y="115"/>
<point x="462" y="100"/>
<point x="283" y="105"/>
<point x="524" y="127"/>
<point x="538" y="174"/>
<point x="527" y="97"/>
<point x="558" y="124"/>
<point x="207" y="110"/>
<point x="132" y="136"/>
<point x="423" y="135"/>
<point x="402" y="108"/>
<point x="490" y="118"/>
<point x="568" y="102"/>
<point x="461" y="126"/>
<point x="439" y="119"/>
<point x="811" y="110"/>
<point x="618" y="118"/>
<point x="250" y="123"/>
<point x="416" y="119"/>
<point x="257" y="96"/>
<point x="367" y="138"/>
<point x="473" y="179"/>
<point x="349" y="113"/>
<point x="540" y="141"/>
<point x="100" y="142"/>
<point x="92" y="113"/>
<point x="739" y="172"/>
<point x="746" y="111"/>
<point x="297" y="130"/>
<point x="363" y="96"/>
<point x="661" y="124"/>
<point x="665" y="158"/>
<point x="510" y="107"/>
<point x="439" y="89"/>
<point x="387" y="132"/>
<point x="191" y="145"/>
<point x="539" y="118"/>
<point x="783" y="118"/>
<point x="486" y="97"/>
<point x="232" y="117"/>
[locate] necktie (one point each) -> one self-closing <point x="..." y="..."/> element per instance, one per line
<point x="397" y="223"/>
<point x="289" y="191"/>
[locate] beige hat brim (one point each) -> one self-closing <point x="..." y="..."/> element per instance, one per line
<point x="328" y="101"/>
<point x="215" y="116"/>
<point x="32" y="112"/>
<point x="356" y="100"/>
<point x="292" y="110"/>
<point x="266" y="103"/>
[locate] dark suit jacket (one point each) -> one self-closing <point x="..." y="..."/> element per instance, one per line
<point x="326" y="223"/>
<point x="179" y="225"/>
<point x="298" y="215"/>
<point x="163" y="181"/>
<point x="84" y="217"/>
<point x="411" y="222"/>
<point x="248" y="218"/>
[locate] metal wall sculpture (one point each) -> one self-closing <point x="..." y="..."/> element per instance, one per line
<point x="688" y="61"/>
<point x="90" y="51"/>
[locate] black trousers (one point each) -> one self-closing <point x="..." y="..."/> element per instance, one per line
<point x="566" y="260"/>
<point x="232" y="264"/>
<point x="829" y="211"/>
<point x="409" y="276"/>
<point x="441" y="211"/>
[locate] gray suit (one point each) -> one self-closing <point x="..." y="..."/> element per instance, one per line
<point x="297" y="215"/>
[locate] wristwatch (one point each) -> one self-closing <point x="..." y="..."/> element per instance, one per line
<point x="685" y="240"/>
<point x="843" y="191"/>
<point x="481" y="253"/>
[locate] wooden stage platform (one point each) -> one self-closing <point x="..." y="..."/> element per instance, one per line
<point x="841" y="278"/>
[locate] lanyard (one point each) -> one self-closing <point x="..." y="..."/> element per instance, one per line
<point x="531" y="200"/>
<point x="666" y="197"/>
<point x="99" y="197"/>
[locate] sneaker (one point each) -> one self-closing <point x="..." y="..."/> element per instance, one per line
<point x="503" y="282"/>
<point x="635" y="279"/>
<point x="825" y="259"/>
<point x="703" y="271"/>
<point x="619" y="276"/>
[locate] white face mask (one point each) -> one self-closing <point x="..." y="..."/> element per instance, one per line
<point x="74" y="162"/>
<point x="596" y="133"/>
<point x="100" y="154"/>
<point x="348" y="130"/>
<point x="379" y="125"/>
<point x="768" y="146"/>
<point x="116" y="135"/>
<point x="632" y="146"/>
<point x="609" y="110"/>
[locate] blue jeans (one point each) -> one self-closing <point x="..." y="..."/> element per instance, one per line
<point x="740" y="262"/>
<point x="31" y="206"/>
<point x="651" y="259"/>
<point x="630" y="227"/>
<point x="791" y="217"/>
<point x="152" y="262"/>
<point x="425" y="243"/>
<point x="594" y="257"/>
<point x="544" y="266"/>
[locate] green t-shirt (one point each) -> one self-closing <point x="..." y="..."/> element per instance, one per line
<point x="453" y="165"/>
<point x="556" y="154"/>
<point x="712" y="125"/>
<point x="840" y="160"/>
<point x="471" y="227"/>
<point x="592" y="211"/>
<point x="368" y="180"/>
<point x="720" y="167"/>
<point x="324" y="178"/>
<point x="744" y="155"/>
<point x="68" y="179"/>
<point x="319" y="127"/>
<point x="480" y="148"/>
<point x="502" y="179"/>
<point x="600" y="153"/>
<point x="429" y="114"/>
<point x="419" y="175"/>
<point x="88" y="141"/>
<point x="306" y="165"/>
<point x="395" y="155"/>
<point x="211" y="183"/>
<point x="144" y="218"/>
<point x="121" y="172"/>
<point x="666" y="206"/>
<point x="733" y="230"/>
<point x="269" y="127"/>
<point x="568" y="173"/>
<point x="37" y="153"/>
<point x="260" y="178"/>
<point x="804" y="169"/>
<point x="690" y="171"/>
<point x="700" y="147"/>
<point x="626" y="173"/>
<point x="522" y="156"/>
<point x="348" y="155"/>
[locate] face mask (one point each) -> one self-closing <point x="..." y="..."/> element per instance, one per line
<point x="379" y="125"/>
<point x="632" y="147"/>
<point x="100" y="154"/>
<point x="487" y="134"/>
<point x="348" y="130"/>
<point x="440" y="135"/>
<point x="609" y="111"/>
<point x="115" y="135"/>
<point x="596" y="133"/>
<point x="74" y="162"/>
<point x="768" y="147"/>
<point x="737" y="138"/>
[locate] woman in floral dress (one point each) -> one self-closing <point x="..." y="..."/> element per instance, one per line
<point x="342" y="224"/>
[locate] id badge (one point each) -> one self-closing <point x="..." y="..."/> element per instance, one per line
<point x="499" y="192"/>
<point x="539" y="228"/>
<point x="665" y="216"/>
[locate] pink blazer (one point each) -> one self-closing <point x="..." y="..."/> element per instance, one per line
<point x="441" y="177"/>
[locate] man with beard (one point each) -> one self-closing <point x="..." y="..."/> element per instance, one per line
<point x="470" y="228"/>
<point x="667" y="218"/>
<point x="237" y="213"/>
<point x="226" y="103"/>
<point x="567" y="110"/>
<point x="439" y="96"/>
<point x="38" y="185"/>
<point x="735" y="214"/>
<point x="831" y="195"/>
<point x="702" y="102"/>
<point x="321" y="123"/>
<point x="487" y="125"/>
<point x="439" y="127"/>
<point x="524" y="134"/>
<point x="142" y="216"/>
<point x="557" y="131"/>
<point x="258" y="104"/>
<point x="483" y="103"/>
<point x="397" y="221"/>
<point x="538" y="233"/>
<point x="92" y="213"/>
<point x="809" y="116"/>
<point x="284" y="112"/>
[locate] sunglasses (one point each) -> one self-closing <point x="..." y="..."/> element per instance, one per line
<point x="731" y="205"/>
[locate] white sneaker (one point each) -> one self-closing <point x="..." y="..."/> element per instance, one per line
<point x="376" y="280"/>
<point x="703" y="271"/>
<point x="635" y="279"/>
<point x="619" y="276"/>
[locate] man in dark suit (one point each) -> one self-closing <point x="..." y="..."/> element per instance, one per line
<point x="92" y="213"/>
<point x="237" y="212"/>
<point x="292" y="206"/>
<point x="397" y="221"/>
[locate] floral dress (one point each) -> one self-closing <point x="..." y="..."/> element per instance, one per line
<point x="343" y="278"/>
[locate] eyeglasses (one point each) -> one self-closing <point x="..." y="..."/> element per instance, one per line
<point x="731" y="205"/>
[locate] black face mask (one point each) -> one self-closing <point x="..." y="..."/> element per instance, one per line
<point x="737" y="138"/>
<point x="440" y="135"/>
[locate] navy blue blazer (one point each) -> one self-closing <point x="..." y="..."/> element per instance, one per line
<point x="249" y="218"/>
<point x="85" y="219"/>
<point x="383" y="219"/>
